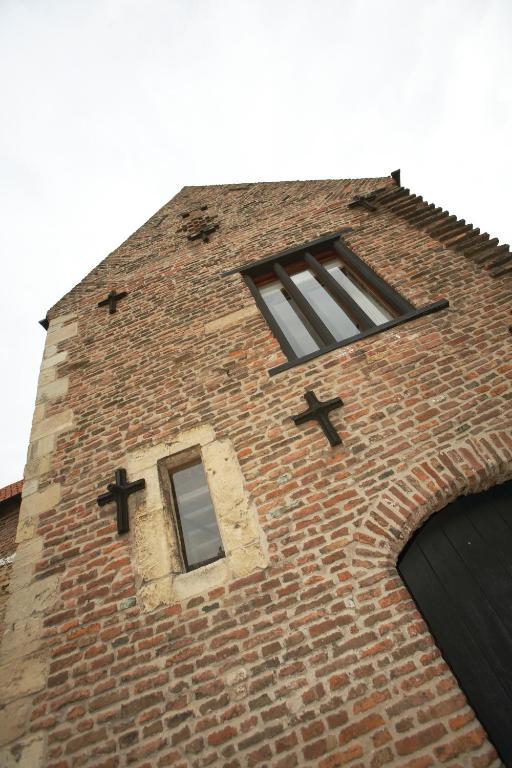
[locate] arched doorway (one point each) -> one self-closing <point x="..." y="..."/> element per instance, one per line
<point x="458" y="568"/>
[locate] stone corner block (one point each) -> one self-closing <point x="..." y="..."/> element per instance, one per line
<point x="61" y="332"/>
<point x="28" y="754"/>
<point x="59" y="422"/>
<point x="32" y="506"/>
<point x="13" y="724"/>
<point x="52" y="360"/>
<point x="52" y="390"/>
<point x="22" y="677"/>
<point x="156" y="593"/>
<point x="59" y="320"/>
<point x="31" y="601"/>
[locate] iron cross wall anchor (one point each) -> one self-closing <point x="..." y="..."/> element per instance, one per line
<point x="111" y="301"/>
<point x="364" y="202"/>
<point x="203" y="233"/>
<point x="319" y="412"/>
<point x="119" y="492"/>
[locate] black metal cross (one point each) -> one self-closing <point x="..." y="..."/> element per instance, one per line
<point x="319" y="411"/>
<point x="112" y="300"/>
<point x="203" y="232"/>
<point x="365" y="202"/>
<point x="119" y="492"/>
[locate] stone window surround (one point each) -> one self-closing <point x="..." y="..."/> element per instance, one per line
<point x="161" y="579"/>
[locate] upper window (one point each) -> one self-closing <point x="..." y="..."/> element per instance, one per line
<point x="322" y="296"/>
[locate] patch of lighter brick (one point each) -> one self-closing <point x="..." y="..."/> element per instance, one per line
<point x="232" y="319"/>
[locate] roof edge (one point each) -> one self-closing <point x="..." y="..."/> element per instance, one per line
<point x="11" y="491"/>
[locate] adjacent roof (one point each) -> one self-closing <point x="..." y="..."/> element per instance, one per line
<point x="14" y="489"/>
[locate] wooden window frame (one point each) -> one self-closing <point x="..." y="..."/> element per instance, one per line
<point x="331" y="246"/>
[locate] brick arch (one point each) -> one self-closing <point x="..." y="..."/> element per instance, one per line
<point x="472" y="465"/>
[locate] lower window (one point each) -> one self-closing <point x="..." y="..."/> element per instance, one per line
<point x="195" y="517"/>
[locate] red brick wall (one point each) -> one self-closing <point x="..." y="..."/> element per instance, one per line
<point x="9" y="512"/>
<point x="321" y="658"/>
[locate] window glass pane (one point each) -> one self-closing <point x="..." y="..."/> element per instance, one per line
<point x="334" y="317"/>
<point x="373" y="308"/>
<point x="199" y="527"/>
<point x="287" y="316"/>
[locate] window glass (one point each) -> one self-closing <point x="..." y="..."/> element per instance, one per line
<point x="288" y="318"/>
<point x="199" y="529"/>
<point x="334" y="317"/>
<point x="370" y="305"/>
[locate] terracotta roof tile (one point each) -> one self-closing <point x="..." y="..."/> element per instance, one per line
<point x="11" y="490"/>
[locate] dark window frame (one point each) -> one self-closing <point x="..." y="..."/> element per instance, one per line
<point x="306" y="253"/>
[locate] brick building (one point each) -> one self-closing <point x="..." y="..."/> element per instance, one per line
<point x="201" y="579"/>
<point x="10" y="502"/>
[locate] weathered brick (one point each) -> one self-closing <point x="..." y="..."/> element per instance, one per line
<point x="141" y="703"/>
<point x="222" y="736"/>
<point x="360" y="727"/>
<point x="85" y="741"/>
<point x="420" y="739"/>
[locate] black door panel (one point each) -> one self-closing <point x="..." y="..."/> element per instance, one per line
<point x="458" y="568"/>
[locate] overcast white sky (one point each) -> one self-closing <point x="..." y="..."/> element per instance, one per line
<point x="109" y="107"/>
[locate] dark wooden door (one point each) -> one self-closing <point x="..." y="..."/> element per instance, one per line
<point x="458" y="568"/>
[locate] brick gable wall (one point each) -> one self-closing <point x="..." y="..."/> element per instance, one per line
<point x="320" y="658"/>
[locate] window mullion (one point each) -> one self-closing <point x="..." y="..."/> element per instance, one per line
<point x="347" y="302"/>
<point x="391" y="297"/>
<point x="273" y="324"/>
<point x="304" y="305"/>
